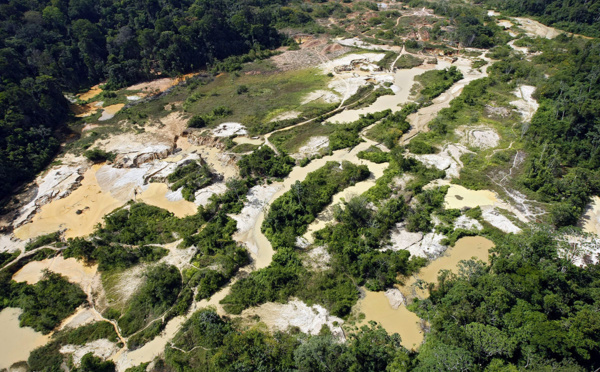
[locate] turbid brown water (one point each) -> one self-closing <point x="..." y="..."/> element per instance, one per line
<point x="376" y="306"/>
<point x="16" y="343"/>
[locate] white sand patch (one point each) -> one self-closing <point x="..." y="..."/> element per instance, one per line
<point x="535" y="28"/>
<point x="395" y="297"/>
<point x="318" y="258"/>
<point x="121" y="182"/>
<point x="590" y="222"/>
<point x="10" y="244"/>
<point x="482" y="138"/>
<point x="348" y="86"/>
<point x="133" y="98"/>
<point x="203" y="195"/>
<point x="58" y="183"/>
<point x="128" y="283"/>
<point x="348" y="58"/>
<point x="229" y="129"/>
<point x="356" y="42"/>
<point x="448" y="159"/>
<point x="178" y="257"/>
<point x="496" y="219"/>
<point x="286" y="115"/>
<point x="505" y="23"/>
<point x="418" y="244"/>
<point x="580" y="248"/>
<point x="314" y="145"/>
<point x="526" y="105"/>
<point x="467" y="223"/>
<point x="101" y="348"/>
<point x="82" y="316"/>
<point x="492" y="13"/>
<point x="323" y="95"/>
<point x="403" y="239"/>
<point x="310" y="319"/>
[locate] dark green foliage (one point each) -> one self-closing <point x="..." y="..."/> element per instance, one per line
<point x="408" y="61"/>
<point x="291" y="213"/>
<point x="6" y="257"/>
<point x="87" y="333"/>
<point x="374" y="154"/>
<point x="159" y="292"/>
<point x="392" y="127"/>
<point x="348" y="135"/>
<point x="514" y="311"/>
<point x="420" y="147"/>
<point x="43" y="240"/>
<point x="436" y="82"/>
<point x="208" y="342"/>
<point x="197" y="121"/>
<point x="276" y="282"/>
<point x="45" y="304"/>
<point x="91" y="363"/>
<point x="192" y="177"/>
<point x="355" y="241"/>
<point x="579" y="16"/>
<point x="263" y="162"/>
<point x="386" y="61"/>
<point x="46" y="358"/>
<point x="98" y="155"/>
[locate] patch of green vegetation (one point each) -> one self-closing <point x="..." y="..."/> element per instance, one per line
<point x="290" y="140"/>
<point x="87" y="333"/>
<point x="407" y="61"/>
<point x="265" y="163"/>
<point x="386" y="61"/>
<point x="159" y="292"/>
<point x="417" y="146"/>
<point x="391" y="128"/>
<point x="371" y="98"/>
<point x="6" y="257"/>
<point x="40" y="241"/>
<point x="209" y="342"/>
<point x="374" y="154"/>
<point x="291" y="213"/>
<point x="98" y="155"/>
<point x="244" y="148"/>
<point x="45" y="304"/>
<point x="435" y="82"/>
<point x="192" y="177"/>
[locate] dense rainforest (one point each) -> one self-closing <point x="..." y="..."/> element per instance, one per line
<point x="47" y="47"/>
<point x="578" y="16"/>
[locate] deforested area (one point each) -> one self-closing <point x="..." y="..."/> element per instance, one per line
<point x="293" y="185"/>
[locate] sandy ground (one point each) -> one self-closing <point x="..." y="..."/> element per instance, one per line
<point x="101" y="348"/>
<point x="418" y="244"/>
<point x="286" y="115"/>
<point x="322" y="95"/>
<point x="590" y="222"/>
<point x="467" y="223"/>
<point x="229" y="129"/>
<point x="534" y="28"/>
<point x="55" y="184"/>
<point x="482" y="137"/>
<point x="75" y="271"/>
<point x="16" y="343"/>
<point x="526" y="105"/>
<point x="448" y="159"/>
<point x="314" y="145"/>
<point x="296" y="313"/>
<point x="318" y="259"/>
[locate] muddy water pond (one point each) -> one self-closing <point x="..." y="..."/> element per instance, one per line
<point x="157" y="194"/>
<point x="78" y="213"/>
<point x="16" y="343"/>
<point x="376" y="306"/>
